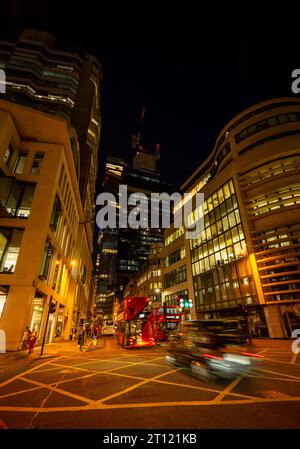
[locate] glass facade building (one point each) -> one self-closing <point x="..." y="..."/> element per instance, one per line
<point x="248" y="252"/>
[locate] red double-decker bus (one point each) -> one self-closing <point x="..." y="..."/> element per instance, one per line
<point x="134" y="323"/>
<point x="166" y="320"/>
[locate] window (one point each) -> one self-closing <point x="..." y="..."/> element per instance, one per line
<point x="20" y="163"/>
<point x="15" y="197"/>
<point x="26" y="201"/>
<point x="175" y="277"/>
<point x="56" y="213"/>
<point x="8" y="155"/>
<point x="47" y="260"/>
<point x="10" y="242"/>
<point x="37" y="163"/>
<point x="57" y="263"/>
<point x="3" y="297"/>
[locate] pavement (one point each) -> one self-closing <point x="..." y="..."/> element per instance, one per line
<point x="111" y="387"/>
<point x="13" y="363"/>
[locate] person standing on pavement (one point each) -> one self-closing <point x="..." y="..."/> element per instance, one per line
<point x="32" y="340"/>
<point x="25" y="339"/>
<point x="81" y="336"/>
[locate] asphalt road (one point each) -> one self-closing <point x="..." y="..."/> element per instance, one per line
<point x="116" y="388"/>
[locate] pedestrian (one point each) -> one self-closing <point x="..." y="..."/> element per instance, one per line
<point x="81" y="335"/>
<point x="24" y="344"/>
<point x="32" y="340"/>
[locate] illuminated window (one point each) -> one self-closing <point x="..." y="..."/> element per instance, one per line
<point x="20" y="163"/>
<point x="10" y="243"/>
<point x="37" y="163"/>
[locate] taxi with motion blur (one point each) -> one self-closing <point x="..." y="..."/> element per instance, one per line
<point x="212" y="348"/>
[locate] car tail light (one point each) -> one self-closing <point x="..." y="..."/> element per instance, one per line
<point x="211" y="356"/>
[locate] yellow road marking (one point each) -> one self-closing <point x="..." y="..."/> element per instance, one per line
<point x="47" y="369"/>
<point x="134" y="387"/>
<point x="18" y="376"/>
<point x="67" y="366"/>
<point x="135" y="378"/>
<point x="227" y="390"/>
<point x="58" y="390"/>
<point x="19" y="392"/>
<point x="274" y="378"/>
<point x="101" y="406"/>
<point x="274" y="372"/>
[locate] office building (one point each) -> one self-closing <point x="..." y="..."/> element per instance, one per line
<point x="45" y="250"/>
<point x="249" y="252"/>
<point x="58" y="78"/>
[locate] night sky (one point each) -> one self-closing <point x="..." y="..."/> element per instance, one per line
<point x="191" y="70"/>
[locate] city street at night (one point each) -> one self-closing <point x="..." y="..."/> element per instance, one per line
<point x="112" y="387"/>
<point x="149" y="225"/>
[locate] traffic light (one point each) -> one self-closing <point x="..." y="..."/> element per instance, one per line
<point x="184" y="302"/>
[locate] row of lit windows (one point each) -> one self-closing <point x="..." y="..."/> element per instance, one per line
<point x="175" y="277"/>
<point x="273" y="237"/>
<point x="57" y="98"/>
<point x="256" y="111"/>
<point x="214" y="229"/>
<point x="154" y="285"/>
<point x="222" y="195"/>
<point x="109" y="251"/>
<point x="222" y="239"/>
<point x="283" y="166"/>
<point x="175" y="235"/>
<point x="174" y="257"/>
<point x="268" y="123"/>
<point x="224" y="287"/>
<point x="275" y="200"/>
<point x="154" y="273"/>
<point x="199" y="186"/>
<point x="15" y="197"/>
<point x="171" y="300"/>
<point x="223" y="295"/>
<point x="221" y="257"/>
<point x="219" y="243"/>
<point x="20" y="161"/>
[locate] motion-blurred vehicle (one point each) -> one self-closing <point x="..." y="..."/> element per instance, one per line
<point x="108" y="328"/>
<point x="211" y="348"/>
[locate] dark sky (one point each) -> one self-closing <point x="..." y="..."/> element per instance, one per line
<point x="191" y="69"/>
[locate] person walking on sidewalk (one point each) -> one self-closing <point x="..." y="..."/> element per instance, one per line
<point x="32" y="340"/>
<point x="81" y="336"/>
